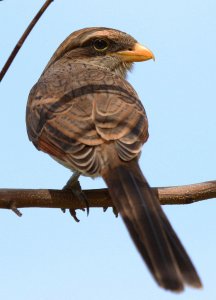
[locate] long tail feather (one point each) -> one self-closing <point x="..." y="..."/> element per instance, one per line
<point x="149" y="227"/>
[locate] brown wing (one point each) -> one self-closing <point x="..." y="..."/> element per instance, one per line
<point x="74" y="109"/>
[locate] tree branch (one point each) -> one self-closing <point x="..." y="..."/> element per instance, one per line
<point x="23" y="38"/>
<point x="17" y="198"/>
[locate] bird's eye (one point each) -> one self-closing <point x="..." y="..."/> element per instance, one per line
<point x="100" y="44"/>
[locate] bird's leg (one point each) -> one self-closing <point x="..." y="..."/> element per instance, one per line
<point x="72" y="182"/>
<point x="74" y="186"/>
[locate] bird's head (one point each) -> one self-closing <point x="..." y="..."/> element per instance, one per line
<point x="102" y="47"/>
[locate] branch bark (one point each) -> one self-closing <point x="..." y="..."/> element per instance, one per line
<point x="23" y="38"/>
<point x="49" y="198"/>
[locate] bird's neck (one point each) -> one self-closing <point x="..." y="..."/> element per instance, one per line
<point x="116" y="67"/>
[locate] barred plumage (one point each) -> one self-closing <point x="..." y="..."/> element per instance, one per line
<point x="85" y="115"/>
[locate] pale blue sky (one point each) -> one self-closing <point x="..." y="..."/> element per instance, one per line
<point x="45" y="254"/>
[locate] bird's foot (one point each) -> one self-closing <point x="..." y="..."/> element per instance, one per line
<point x="74" y="186"/>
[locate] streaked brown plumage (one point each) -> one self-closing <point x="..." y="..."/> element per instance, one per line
<point x="85" y="114"/>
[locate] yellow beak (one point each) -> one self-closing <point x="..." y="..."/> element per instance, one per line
<point x="137" y="53"/>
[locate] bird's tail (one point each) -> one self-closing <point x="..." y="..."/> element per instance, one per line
<point x="149" y="227"/>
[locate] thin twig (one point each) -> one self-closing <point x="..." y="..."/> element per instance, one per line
<point x="23" y="38"/>
<point x="16" y="198"/>
<point x="16" y="211"/>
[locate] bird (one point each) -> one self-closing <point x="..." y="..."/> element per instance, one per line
<point x="86" y="115"/>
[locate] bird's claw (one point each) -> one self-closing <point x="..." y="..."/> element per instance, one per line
<point x="114" y="210"/>
<point x="73" y="214"/>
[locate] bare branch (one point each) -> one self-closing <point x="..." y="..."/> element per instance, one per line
<point x="23" y="38"/>
<point x="16" y="198"/>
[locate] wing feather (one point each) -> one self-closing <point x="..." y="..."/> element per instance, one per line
<point x="74" y="109"/>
